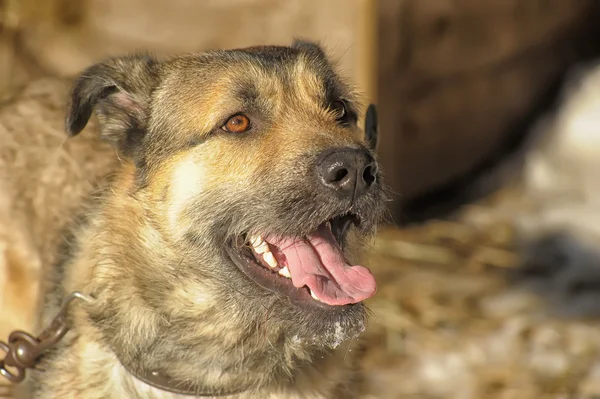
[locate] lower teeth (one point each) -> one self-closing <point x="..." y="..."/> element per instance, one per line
<point x="285" y="272"/>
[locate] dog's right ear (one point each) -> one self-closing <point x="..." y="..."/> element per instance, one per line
<point x="120" y="91"/>
<point x="310" y="47"/>
<point x="371" y="127"/>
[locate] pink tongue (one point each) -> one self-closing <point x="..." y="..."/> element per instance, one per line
<point x="318" y="262"/>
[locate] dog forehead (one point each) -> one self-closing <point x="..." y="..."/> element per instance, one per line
<point x="288" y="94"/>
<point x="198" y="91"/>
<point x="230" y="75"/>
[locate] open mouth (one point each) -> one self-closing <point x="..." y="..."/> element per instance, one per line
<point x="311" y="270"/>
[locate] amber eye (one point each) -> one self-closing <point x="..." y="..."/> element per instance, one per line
<point x="239" y="123"/>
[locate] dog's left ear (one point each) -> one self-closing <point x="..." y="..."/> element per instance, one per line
<point x="119" y="90"/>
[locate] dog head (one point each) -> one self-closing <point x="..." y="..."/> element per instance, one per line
<point x="246" y="181"/>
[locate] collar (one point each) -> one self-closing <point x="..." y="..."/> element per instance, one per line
<point x="159" y="380"/>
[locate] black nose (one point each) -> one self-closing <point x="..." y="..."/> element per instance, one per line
<point x="348" y="171"/>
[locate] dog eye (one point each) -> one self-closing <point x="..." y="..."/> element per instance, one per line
<point x="238" y="123"/>
<point x="340" y="110"/>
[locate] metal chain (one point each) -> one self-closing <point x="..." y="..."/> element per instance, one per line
<point x="23" y="350"/>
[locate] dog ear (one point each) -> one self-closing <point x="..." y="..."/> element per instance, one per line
<point x="119" y="90"/>
<point x="309" y="47"/>
<point x="371" y="127"/>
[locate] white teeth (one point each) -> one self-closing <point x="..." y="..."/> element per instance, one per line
<point x="262" y="248"/>
<point x="259" y="244"/>
<point x="316" y="298"/>
<point x="285" y="272"/>
<point x="256" y="240"/>
<point x="270" y="259"/>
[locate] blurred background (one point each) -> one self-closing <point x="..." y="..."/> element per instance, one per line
<point x="485" y="290"/>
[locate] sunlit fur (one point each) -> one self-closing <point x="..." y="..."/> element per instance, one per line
<point x="149" y="245"/>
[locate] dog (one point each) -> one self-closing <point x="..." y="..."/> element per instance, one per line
<point x="216" y="239"/>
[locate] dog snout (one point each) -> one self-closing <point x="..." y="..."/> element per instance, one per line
<point x="349" y="172"/>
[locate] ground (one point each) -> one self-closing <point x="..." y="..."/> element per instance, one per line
<point x="457" y="316"/>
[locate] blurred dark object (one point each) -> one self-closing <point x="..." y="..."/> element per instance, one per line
<point x="459" y="83"/>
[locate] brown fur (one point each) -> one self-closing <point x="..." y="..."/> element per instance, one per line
<point x="43" y="179"/>
<point x="150" y="244"/>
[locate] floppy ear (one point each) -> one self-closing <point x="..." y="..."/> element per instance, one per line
<point x="119" y="90"/>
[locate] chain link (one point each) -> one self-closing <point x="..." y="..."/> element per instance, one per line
<point x="23" y="350"/>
